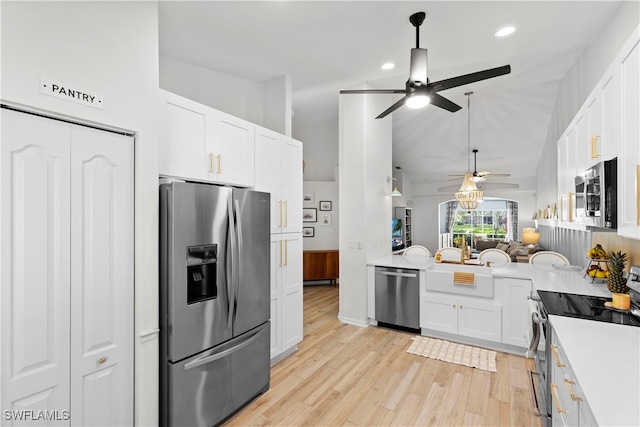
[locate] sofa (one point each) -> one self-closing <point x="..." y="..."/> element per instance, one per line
<point x="514" y="249"/>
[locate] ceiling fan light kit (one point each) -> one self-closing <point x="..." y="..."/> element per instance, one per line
<point x="469" y="196"/>
<point x="419" y="91"/>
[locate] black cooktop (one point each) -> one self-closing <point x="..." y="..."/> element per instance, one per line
<point x="585" y="307"/>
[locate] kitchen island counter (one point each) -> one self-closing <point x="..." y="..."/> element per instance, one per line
<point x="544" y="277"/>
<point x="604" y="358"/>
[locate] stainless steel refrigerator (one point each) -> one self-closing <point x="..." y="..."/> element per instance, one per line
<point x="214" y="301"/>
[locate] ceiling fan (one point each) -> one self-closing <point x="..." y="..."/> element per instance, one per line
<point x="480" y="176"/>
<point x="419" y="91"/>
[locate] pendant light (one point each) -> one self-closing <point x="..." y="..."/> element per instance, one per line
<point x="468" y="196"/>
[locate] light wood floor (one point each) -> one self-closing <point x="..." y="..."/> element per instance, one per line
<point x="345" y="375"/>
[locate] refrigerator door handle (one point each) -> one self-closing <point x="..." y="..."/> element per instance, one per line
<point x="230" y="271"/>
<point x="222" y="354"/>
<point x="238" y="264"/>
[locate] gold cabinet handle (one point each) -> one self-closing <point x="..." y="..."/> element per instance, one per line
<point x="286" y="214"/>
<point x="637" y="195"/>
<point x="219" y="160"/>
<point x="594" y="147"/>
<point x="280" y="255"/>
<point x="555" y="397"/>
<point x="210" y="162"/>
<point x="571" y="206"/>
<point x="286" y="252"/>
<point x="555" y="356"/>
<point x="569" y="383"/>
<point x="102" y="360"/>
<point x="279" y="213"/>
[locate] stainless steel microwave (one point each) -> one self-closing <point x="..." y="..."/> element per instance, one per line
<point x="597" y="195"/>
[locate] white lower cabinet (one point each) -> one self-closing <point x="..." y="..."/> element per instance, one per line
<point x="471" y="317"/>
<point x="568" y="407"/>
<point x="512" y="294"/>
<point x="286" y="293"/>
<point x="66" y="347"/>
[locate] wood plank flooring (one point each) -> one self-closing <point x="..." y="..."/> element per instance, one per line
<point x="345" y="375"/>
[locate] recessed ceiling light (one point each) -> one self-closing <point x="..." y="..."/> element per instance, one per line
<point x="388" y="66"/>
<point x="505" y="31"/>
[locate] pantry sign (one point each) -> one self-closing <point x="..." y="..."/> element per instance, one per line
<point x="70" y="93"/>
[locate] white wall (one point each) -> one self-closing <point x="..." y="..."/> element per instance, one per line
<point x="110" y="48"/>
<point x="574" y="88"/>
<point x="325" y="236"/>
<point x="234" y="95"/>
<point x="276" y="108"/>
<point x="320" y="149"/>
<point x="365" y="204"/>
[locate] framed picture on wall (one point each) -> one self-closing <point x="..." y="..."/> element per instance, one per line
<point x="308" y="198"/>
<point x="325" y="205"/>
<point x="325" y="219"/>
<point x="309" y="215"/>
<point x="307" y="231"/>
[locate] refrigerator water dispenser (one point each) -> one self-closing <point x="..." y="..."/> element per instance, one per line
<point x="201" y="273"/>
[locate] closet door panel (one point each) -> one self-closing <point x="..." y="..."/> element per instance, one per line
<point x="102" y="278"/>
<point x="34" y="247"/>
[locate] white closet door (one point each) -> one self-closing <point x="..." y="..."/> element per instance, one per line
<point x="34" y="294"/>
<point x="101" y="278"/>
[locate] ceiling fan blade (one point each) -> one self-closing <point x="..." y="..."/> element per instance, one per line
<point x="373" y="91"/>
<point x="469" y="78"/>
<point x="496" y="175"/>
<point x="442" y="102"/>
<point x="418" y="66"/>
<point x="391" y="109"/>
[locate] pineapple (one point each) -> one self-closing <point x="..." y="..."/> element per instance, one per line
<point x="615" y="282"/>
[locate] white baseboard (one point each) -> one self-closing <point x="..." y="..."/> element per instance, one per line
<point x="356" y="322"/>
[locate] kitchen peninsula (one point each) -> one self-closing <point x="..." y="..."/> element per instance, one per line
<point x="603" y="356"/>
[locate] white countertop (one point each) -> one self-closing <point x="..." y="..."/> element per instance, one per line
<point x="544" y="277"/>
<point x="605" y="359"/>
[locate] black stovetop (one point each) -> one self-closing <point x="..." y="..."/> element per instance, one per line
<point x="585" y="307"/>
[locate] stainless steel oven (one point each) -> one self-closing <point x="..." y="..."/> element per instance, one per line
<point x="596" y="195"/>
<point x="540" y="351"/>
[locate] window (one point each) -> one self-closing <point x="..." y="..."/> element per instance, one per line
<point x="481" y="224"/>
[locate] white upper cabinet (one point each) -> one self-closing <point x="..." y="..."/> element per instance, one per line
<point x="566" y="174"/>
<point x="279" y="172"/>
<point x="607" y="146"/>
<point x="186" y="138"/>
<point x="629" y="161"/>
<point x="602" y="141"/>
<point x="606" y="127"/>
<point x="581" y="147"/>
<point x="203" y="144"/>
<point x="233" y="150"/>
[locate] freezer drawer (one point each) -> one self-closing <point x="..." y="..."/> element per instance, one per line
<point x="397" y="297"/>
<point x="206" y="389"/>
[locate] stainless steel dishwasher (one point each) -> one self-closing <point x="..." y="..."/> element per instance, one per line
<point x="398" y="297"/>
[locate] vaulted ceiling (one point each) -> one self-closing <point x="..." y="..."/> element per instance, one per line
<point x="326" y="46"/>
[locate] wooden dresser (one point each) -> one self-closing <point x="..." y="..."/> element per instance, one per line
<point x="321" y="265"/>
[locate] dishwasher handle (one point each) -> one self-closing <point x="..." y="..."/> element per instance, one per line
<point x="392" y="273"/>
